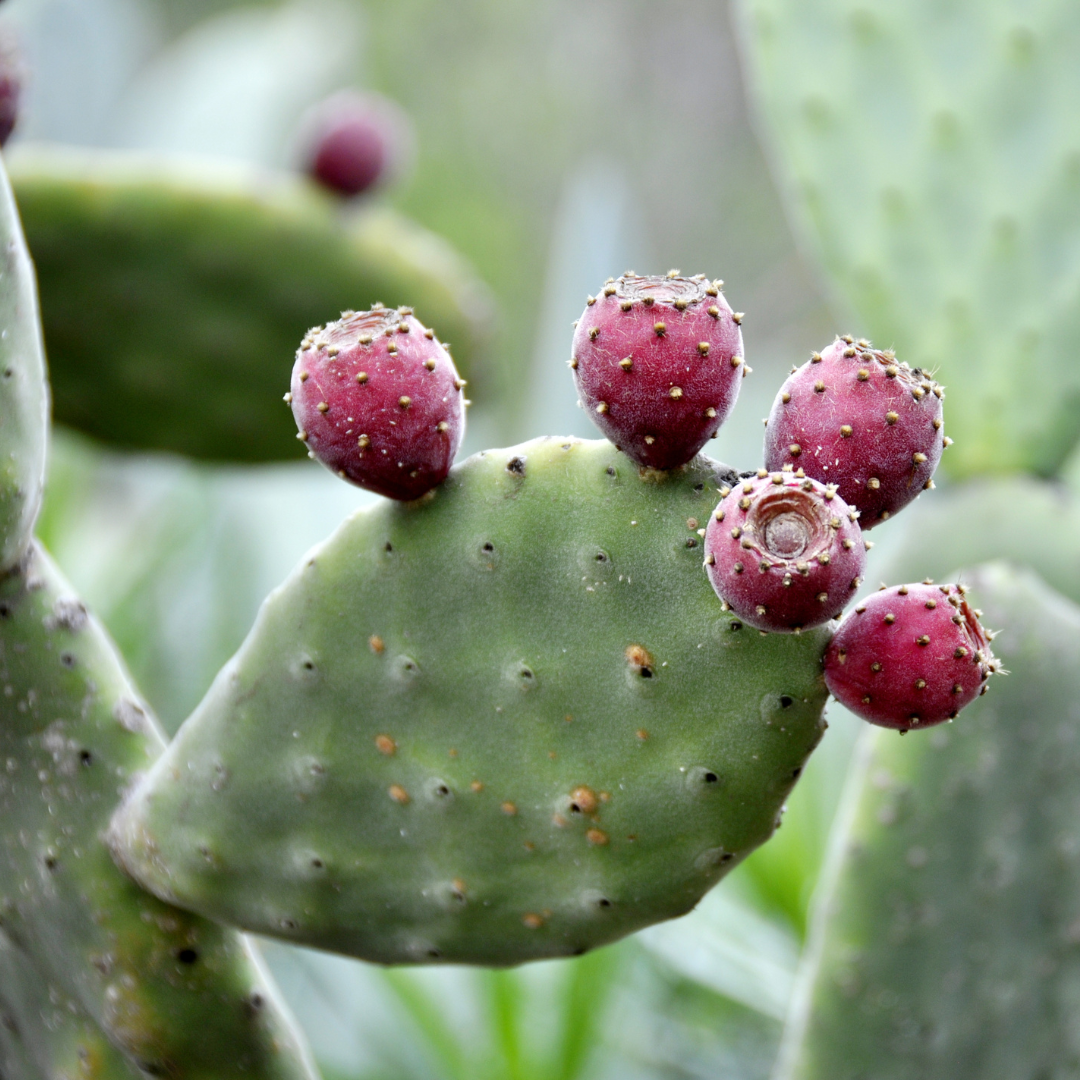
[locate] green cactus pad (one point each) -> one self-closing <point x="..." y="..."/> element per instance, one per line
<point x="930" y="155"/>
<point x="24" y="395"/>
<point x="974" y="522"/>
<point x="945" y="941"/>
<point x="45" y="1034"/>
<point x="174" y="295"/>
<point x="505" y="722"/>
<point x="179" y="996"/>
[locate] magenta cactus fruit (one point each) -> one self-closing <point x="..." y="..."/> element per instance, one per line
<point x="855" y="417"/>
<point x="657" y="362"/>
<point x="783" y="551"/>
<point x="378" y="401"/>
<point x="910" y="656"/>
<point x="355" y="141"/>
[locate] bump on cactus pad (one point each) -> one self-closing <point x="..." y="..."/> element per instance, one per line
<point x="408" y="763"/>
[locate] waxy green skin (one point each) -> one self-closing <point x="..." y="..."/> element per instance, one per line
<point x="941" y="196"/>
<point x="485" y="630"/>
<point x="177" y="995"/>
<point x="170" y="293"/>
<point x="945" y="941"/>
<point x="24" y="395"/>
<point x="44" y="1033"/>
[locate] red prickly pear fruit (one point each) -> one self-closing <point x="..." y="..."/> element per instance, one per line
<point x="657" y="362"/>
<point x="855" y="417"/>
<point x="355" y="141"/>
<point x="910" y="656"/>
<point x="784" y="552"/>
<point x="378" y="401"/>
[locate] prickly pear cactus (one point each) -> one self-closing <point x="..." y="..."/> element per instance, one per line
<point x="24" y="396"/>
<point x="945" y="943"/>
<point x="177" y="995"/>
<point x="170" y="293"/>
<point x="930" y="155"/>
<point x="508" y="721"/>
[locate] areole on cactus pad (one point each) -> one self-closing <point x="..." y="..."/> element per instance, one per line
<point x="408" y="763"/>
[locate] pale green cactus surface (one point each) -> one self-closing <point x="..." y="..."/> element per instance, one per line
<point x="24" y="396"/>
<point x="177" y="995"/>
<point x="505" y="722"/>
<point x="930" y="157"/>
<point x="173" y="292"/>
<point x="44" y="1033"/>
<point x="945" y="940"/>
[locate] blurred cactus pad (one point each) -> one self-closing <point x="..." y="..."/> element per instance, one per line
<point x="508" y="721"/>
<point x="945" y="940"/>
<point x="930" y="158"/>
<point x="174" y="292"/>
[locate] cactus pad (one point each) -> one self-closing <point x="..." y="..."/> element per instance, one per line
<point x="178" y="996"/>
<point x="24" y="396"/>
<point x="507" y="721"/>
<point x="930" y="154"/>
<point x="945" y="943"/>
<point x="173" y="296"/>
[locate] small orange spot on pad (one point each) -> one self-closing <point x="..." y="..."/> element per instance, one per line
<point x="375" y="643"/>
<point x="642" y="734"/>
<point x="584" y="799"/>
<point x="385" y="745"/>
<point x="597" y="837"/>
<point x="476" y="786"/>
<point x="638" y="657"/>
<point x="398" y="794"/>
<point x="532" y="920"/>
<point x="508" y="808"/>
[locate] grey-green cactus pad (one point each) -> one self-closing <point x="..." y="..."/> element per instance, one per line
<point x="946" y="947"/>
<point x="930" y="154"/>
<point x="24" y="396"/>
<point x="174" y="994"/>
<point x="174" y="294"/>
<point x="44" y="1033"/>
<point x="390" y="766"/>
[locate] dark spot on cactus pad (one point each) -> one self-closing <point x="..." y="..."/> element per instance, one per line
<point x="389" y="546"/>
<point x="786" y="701"/>
<point x="86" y="757"/>
<point x="187" y="956"/>
<point x="5" y="611"/>
<point x="601" y="556"/>
<point x="50" y="863"/>
<point x="67" y="659"/>
<point x="516" y="465"/>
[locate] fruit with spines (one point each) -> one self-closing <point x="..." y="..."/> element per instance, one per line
<point x="657" y="362"/>
<point x="378" y="401"/>
<point x="532" y="779"/>
<point x="856" y="417"/>
<point x="910" y="656"/>
<point x="784" y="552"/>
<point x="177" y="995"/>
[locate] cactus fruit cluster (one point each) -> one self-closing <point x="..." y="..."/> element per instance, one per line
<point x="534" y="778"/>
